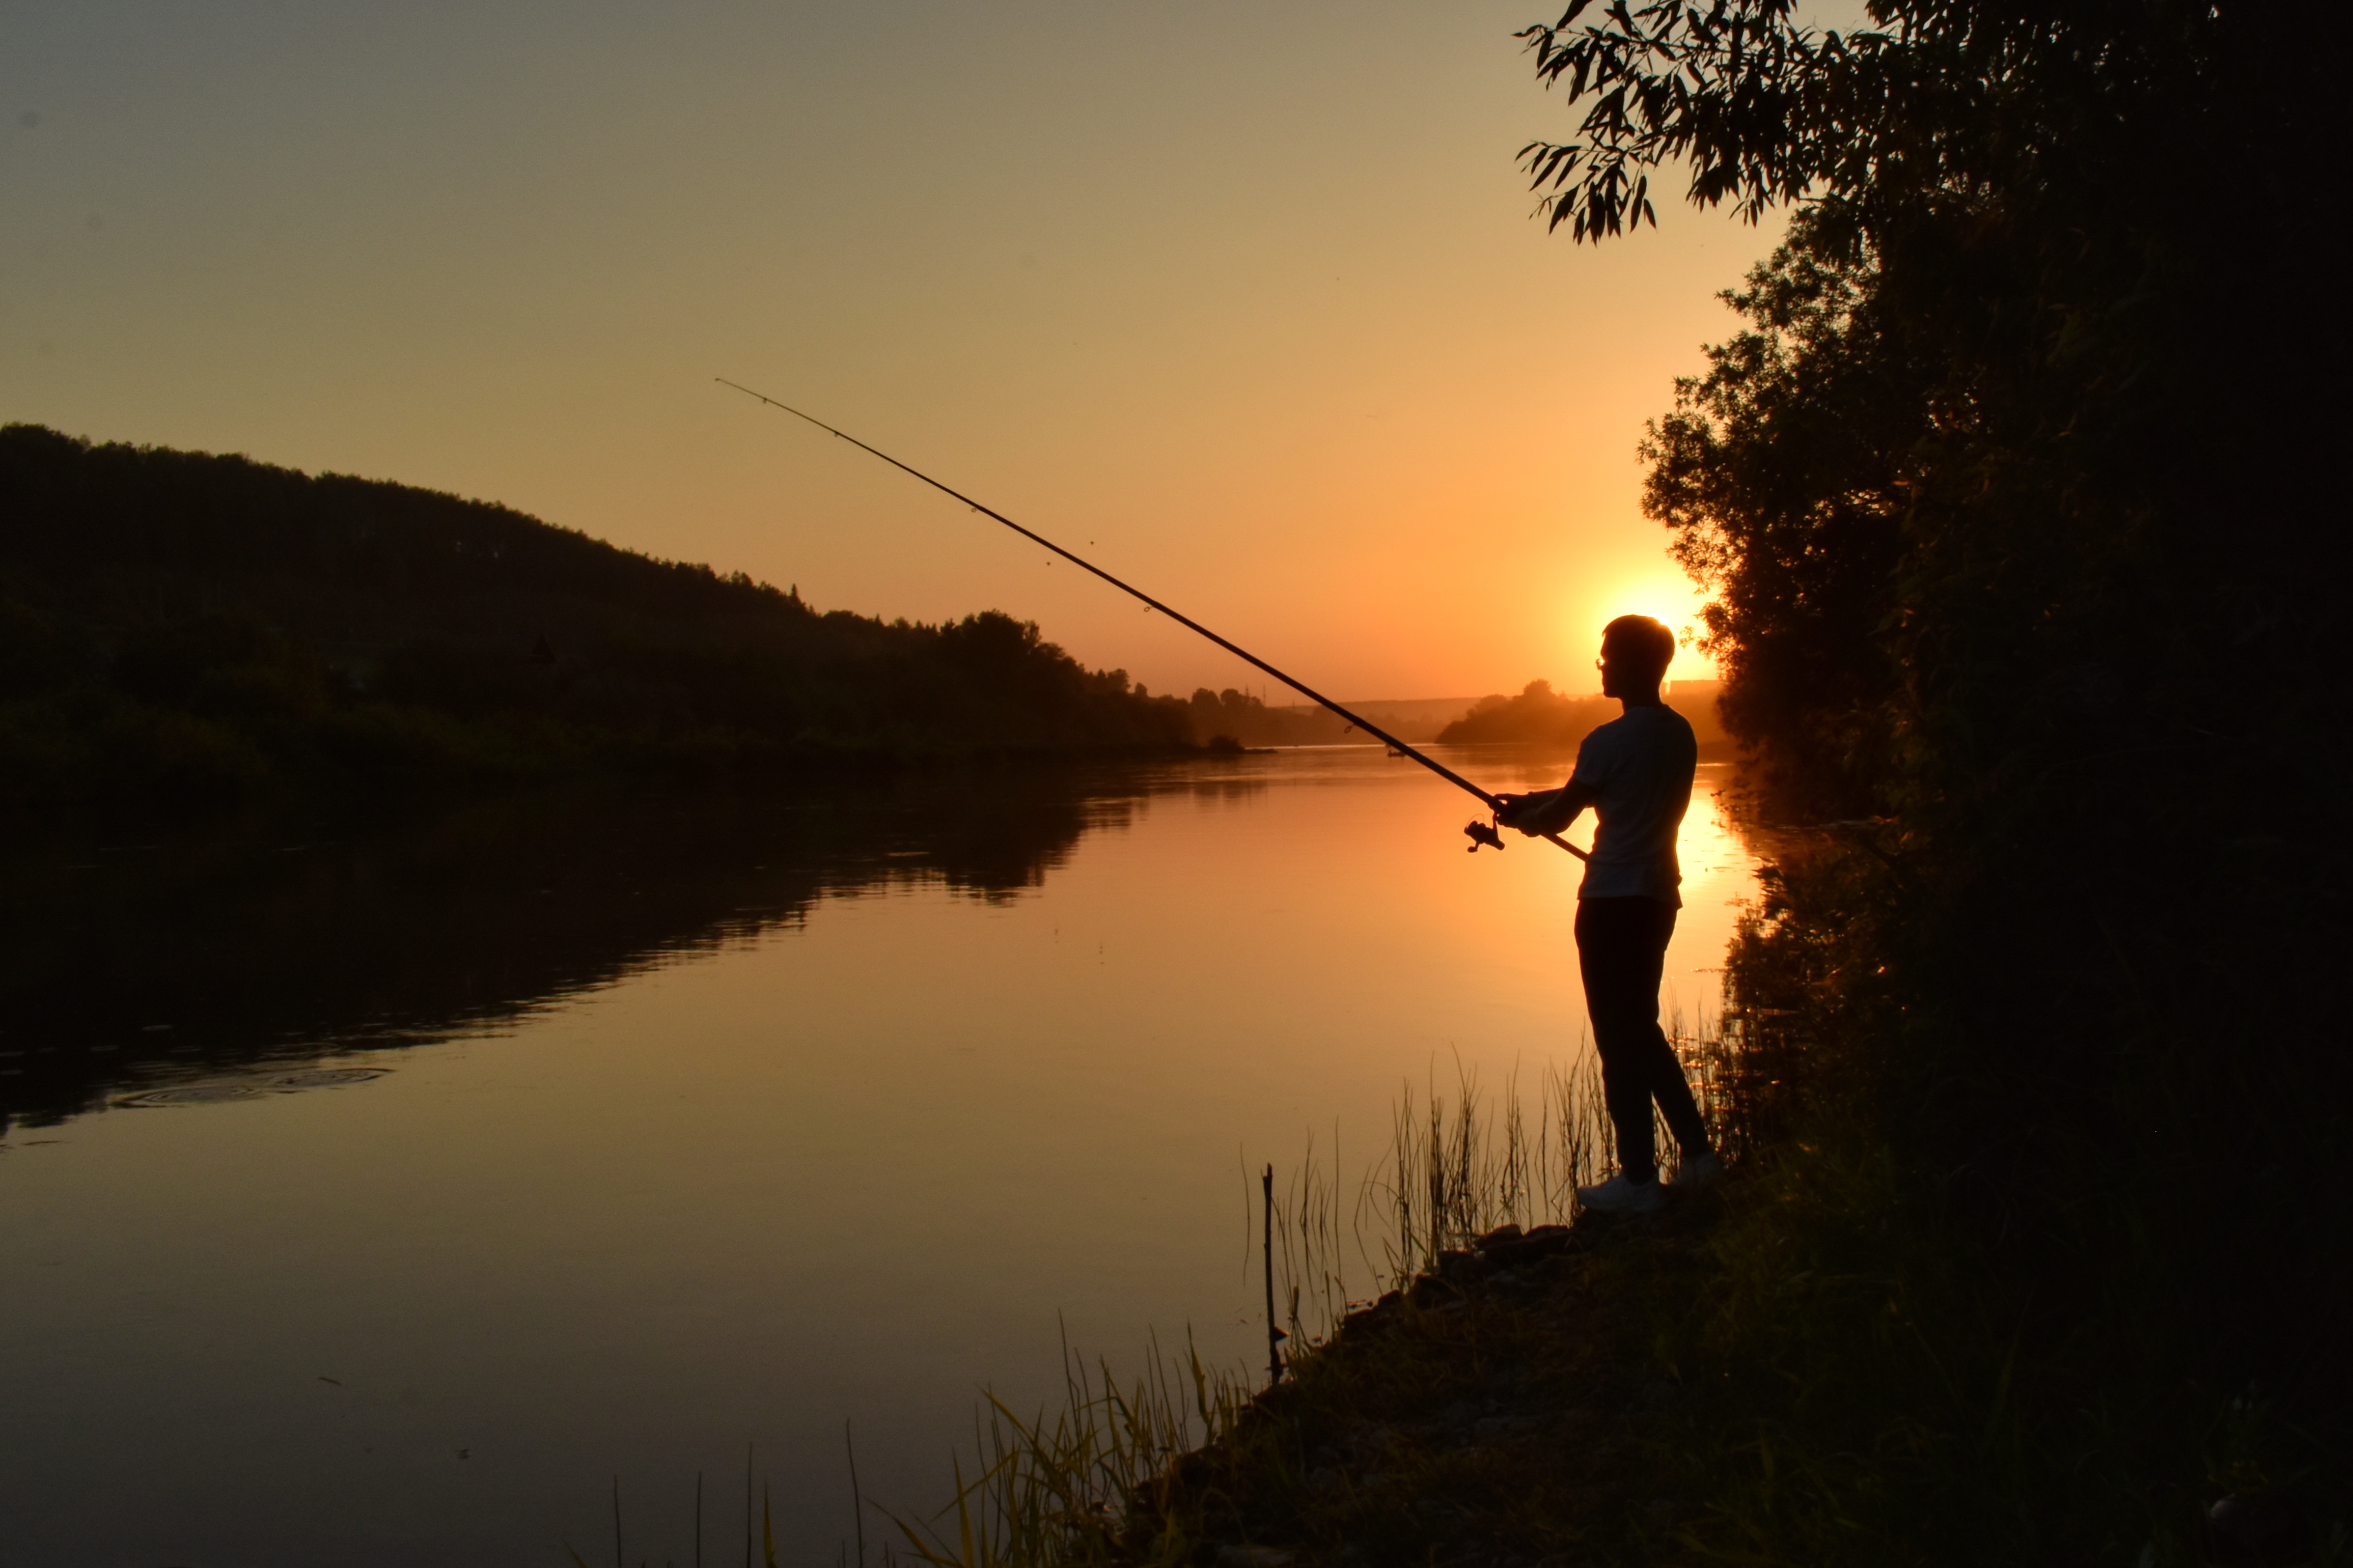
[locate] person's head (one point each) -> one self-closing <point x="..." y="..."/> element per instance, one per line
<point x="1635" y="653"/>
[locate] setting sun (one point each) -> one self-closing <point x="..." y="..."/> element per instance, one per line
<point x="1664" y="596"/>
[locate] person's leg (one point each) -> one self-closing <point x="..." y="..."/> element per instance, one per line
<point x="1610" y="959"/>
<point x="1622" y="946"/>
<point x="1668" y="1084"/>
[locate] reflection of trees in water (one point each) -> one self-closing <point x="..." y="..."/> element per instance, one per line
<point x="138" y="960"/>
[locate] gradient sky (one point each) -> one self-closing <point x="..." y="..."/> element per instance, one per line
<point x="1245" y="301"/>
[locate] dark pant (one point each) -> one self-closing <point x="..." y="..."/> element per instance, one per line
<point x="1622" y="952"/>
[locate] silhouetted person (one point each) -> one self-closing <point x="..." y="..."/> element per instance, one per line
<point x="1636" y="773"/>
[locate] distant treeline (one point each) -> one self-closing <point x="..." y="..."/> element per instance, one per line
<point x="1538" y="715"/>
<point x="1541" y="714"/>
<point x="1250" y="721"/>
<point x="177" y="624"/>
<point x="1246" y="718"/>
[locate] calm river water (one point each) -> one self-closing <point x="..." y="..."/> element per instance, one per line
<point x="379" y="1197"/>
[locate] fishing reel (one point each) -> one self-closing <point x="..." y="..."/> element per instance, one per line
<point x="1483" y="835"/>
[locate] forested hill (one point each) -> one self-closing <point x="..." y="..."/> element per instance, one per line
<point x="173" y="624"/>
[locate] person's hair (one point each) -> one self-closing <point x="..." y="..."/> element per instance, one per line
<point x="1647" y="646"/>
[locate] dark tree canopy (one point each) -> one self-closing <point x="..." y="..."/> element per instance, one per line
<point x="2017" y="438"/>
<point x="1940" y="99"/>
<point x="2016" y="491"/>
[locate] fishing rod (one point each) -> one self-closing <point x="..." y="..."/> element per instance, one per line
<point x="1481" y="834"/>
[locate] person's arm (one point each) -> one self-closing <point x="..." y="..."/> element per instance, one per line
<point x="1547" y="811"/>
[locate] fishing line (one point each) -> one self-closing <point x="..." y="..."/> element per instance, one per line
<point x="1480" y="833"/>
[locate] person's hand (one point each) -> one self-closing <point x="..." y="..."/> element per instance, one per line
<point x="1511" y="808"/>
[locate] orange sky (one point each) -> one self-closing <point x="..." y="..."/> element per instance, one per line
<point x="1244" y="300"/>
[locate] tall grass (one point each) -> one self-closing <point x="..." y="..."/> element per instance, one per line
<point x="1089" y="1483"/>
<point x="1458" y="1168"/>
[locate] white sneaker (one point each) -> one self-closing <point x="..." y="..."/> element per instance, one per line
<point x="1698" y="1170"/>
<point x="1618" y="1195"/>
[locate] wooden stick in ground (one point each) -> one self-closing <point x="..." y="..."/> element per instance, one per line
<point x="857" y="1493"/>
<point x="1274" y="1334"/>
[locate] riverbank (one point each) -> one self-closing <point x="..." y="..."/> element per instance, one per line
<point x="1775" y="1371"/>
<point x="1525" y="1402"/>
<point x="1517" y="1407"/>
<point x="1657" y="1390"/>
<point x="1811" y="1364"/>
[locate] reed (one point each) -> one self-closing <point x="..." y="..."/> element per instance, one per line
<point x="1459" y="1168"/>
<point x="1090" y="1482"/>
